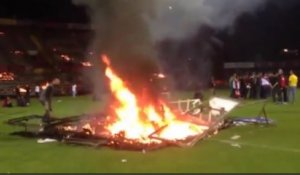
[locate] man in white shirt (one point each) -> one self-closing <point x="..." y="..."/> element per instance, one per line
<point x="37" y="91"/>
<point x="74" y="90"/>
<point x="265" y="87"/>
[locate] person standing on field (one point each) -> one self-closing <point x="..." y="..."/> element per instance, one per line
<point x="74" y="90"/>
<point x="282" y="83"/>
<point x="293" y="83"/>
<point x="37" y="91"/>
<point x="46" y="99"/>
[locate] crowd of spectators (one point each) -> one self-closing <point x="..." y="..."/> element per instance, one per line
<point x="281" y="87"/>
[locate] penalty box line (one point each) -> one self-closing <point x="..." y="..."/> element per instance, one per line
<point x="292" y="150"/>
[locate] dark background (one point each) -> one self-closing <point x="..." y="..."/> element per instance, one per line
<point x="260" y="36"/>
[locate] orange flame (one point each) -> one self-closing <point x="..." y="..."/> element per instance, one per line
<point x="137" y="122"/>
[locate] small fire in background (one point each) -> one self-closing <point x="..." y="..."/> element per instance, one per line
<point x="86" y="64"/>
<point x="44" y="86"/>
<point x="66" y="57"/>
<point x="7" y="76"/>
<point x="160" y="75"/>
<point x="22" y="90"/>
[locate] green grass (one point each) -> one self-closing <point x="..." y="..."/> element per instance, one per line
<point x="263" y="149"/>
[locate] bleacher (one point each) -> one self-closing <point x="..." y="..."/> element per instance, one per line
<point x="32" y="51"/>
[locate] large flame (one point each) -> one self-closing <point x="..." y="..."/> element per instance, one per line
<point x="138" y="121"/>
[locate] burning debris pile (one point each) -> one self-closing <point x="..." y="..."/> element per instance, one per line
<point x="139" y="123"/>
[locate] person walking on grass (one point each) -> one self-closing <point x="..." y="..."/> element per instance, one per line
<point x="293" y="83"/>
<point x="46" y="99"/>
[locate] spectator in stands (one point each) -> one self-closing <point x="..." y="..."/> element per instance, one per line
<point x="37" y="91"/>
<point x="282" y="85"/>
<point x="74" y="90"/>
<point x="293" y="83"/>
<point x="46" y="99"/>
<point x="7" y="102"/>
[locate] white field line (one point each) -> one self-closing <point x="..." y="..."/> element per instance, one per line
<point x="258" y="146"/>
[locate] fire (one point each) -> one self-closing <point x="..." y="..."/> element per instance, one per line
<point x="139" y="122"/>
<point x="44" y="86"/>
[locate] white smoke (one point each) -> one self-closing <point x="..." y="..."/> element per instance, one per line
<point x="128" y="29"/>
<point x="181" y="18"/>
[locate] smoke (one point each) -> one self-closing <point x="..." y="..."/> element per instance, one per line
<point x="122" y="33"/>
<point x="127" y="30"/>
<point x="181" y="18"/>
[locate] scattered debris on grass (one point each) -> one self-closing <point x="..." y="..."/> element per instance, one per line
<point x="236" y="145"/>
<point x="235" y="137"/>
<point x="47" y="140"/>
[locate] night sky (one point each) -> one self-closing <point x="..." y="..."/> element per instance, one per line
<point x="43" y="10"/>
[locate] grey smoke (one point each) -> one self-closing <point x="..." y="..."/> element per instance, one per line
<point x="181" y="18"/>
<point x="128" y="29"/>
<point x="172" y="18"/>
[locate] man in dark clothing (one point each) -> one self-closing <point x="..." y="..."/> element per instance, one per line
<point x="27" y="95"/>
<point x="273" y="80"/>
<point x="252" y="81"/>
<point x="244" y="86"/>
<point x="212" y="85"/>
<point x="20" y="100"/>
<point x="46" y="99"/>
<point x="17" y="92"/>
<point x="258" y="86"/>
<point x="7" y="103"/>
<point x="282" y="85"/>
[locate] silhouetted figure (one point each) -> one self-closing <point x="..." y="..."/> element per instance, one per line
<point x="282" y="84"/>
<point x="46" y="99"/>
<point x="27" y="94"/>
<point x="7" y="103"/>
<point x="258" y="86"/>
<point x="253" y="80"/>
<point x="213" y="86"/>
<point x="274" y="85"/>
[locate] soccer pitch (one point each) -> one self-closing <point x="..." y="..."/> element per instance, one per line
<point x="259" y="149"/>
